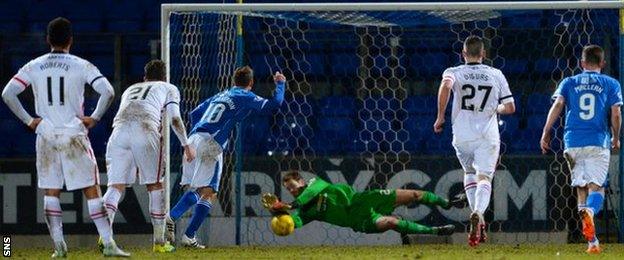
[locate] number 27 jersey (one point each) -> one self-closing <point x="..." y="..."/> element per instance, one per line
<point x="477" y="91"/>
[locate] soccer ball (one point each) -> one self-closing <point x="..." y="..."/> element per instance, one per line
<point x="283" y="225"/>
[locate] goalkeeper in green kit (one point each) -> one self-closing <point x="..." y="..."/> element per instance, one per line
<point x="369" y="211"/>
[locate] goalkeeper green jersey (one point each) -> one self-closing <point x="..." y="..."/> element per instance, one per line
<point x="325" y="202"/>
<point x="340" y="205"/>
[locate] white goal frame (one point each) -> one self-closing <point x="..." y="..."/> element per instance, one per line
<point x="167" y="9"/>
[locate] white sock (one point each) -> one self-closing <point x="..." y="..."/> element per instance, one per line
<point x="482" y="196"/>
<point x="111" y="200"/>
<point x="157" y="213"/>
<point x="100" y="219"/>
<point x="470" y="187"/>
<point x="53" y="217"/>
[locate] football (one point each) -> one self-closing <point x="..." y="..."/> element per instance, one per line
<point x="282" y="225"/>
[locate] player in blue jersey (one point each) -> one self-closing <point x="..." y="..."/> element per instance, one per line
<point x="213" y="121"/>
<point x="590" y="99"/>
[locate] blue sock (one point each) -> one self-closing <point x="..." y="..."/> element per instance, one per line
<point x="189" y="199"/>
<point x="202" y="209"/>
<point x="594" y="201"/>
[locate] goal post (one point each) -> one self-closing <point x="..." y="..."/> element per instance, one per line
<point x="362" y="78"/>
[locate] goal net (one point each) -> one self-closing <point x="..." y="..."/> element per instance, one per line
<point x="361" y="102"/>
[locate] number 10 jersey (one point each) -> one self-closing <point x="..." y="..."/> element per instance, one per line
<point x="477" y="91"/>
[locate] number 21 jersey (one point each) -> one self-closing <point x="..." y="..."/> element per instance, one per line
<point x="589" y="97"/>
<point x="144" y="102"/>
<point x="477" y="90"/>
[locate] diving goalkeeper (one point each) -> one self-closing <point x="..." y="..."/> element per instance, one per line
<point x="368" y="212"/>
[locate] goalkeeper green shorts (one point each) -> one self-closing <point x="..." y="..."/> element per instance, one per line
<point x="368" y="206"/>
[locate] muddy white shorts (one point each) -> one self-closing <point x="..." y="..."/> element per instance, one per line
<point x="134" y="150"/>
<point x="588" y="164"/>
<point x="65" y="159"/>
<point x="205" y="170"/>
<point x="478" y="156"/>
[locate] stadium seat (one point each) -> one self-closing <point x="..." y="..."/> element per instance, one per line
<point x="420" y="105"/>
<point x="520" y="22"/>
<point x="125" y="16"/>
<point x="295" y="126"/>
<point x="337" y="106"/>
<point x="99" y="137"/>
<point x="545" y="66"/>
<point x="508" y="126"/>
<point x="422" y="124"/>
<point x="536" y="122"/>
<point x="538" y="103"/>
<point x="335" y="129"/>
<point x="299" y="106"/>
<point x="344" y="64"/>
<point x="515" y="68"/>
<point x="429" y="64"/>
<point x="527" y="141"/>
<point x="380" y="105"/>
<point x="137" y="63"/>
<point x="257" y="130"/>
<point x="440" y="144"/>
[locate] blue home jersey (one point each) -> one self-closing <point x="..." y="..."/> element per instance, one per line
<point x="589" y="97"/>
<point x="219" y="114"/>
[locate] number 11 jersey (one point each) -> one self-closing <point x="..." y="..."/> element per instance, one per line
<point x="58" y="81"/>
<point x="477" y="91"/>
<point x="589" y="97"/>
<point x="143" y="102"/>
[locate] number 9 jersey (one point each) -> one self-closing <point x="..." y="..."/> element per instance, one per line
<point x="589" y="97"/>
<point x="477" y="91"/>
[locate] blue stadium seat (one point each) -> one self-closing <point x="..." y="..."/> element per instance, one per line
<point x="515" y="67"/>
<point x="527" y="141"/>
<point x="300" y="106"/>
<point x="381" y="105"/>
<point x="137" y="63"/>
<point x="10" y="128"/>
<point x="105" y="63"/>
<point x="257" y="130"/>
<point x="538" y="103"/>
<point x="421" y="124"/>
<point x="439" y="144"/>
<point x="12" y="15"/>
<point x="314" y="64"/>
<point x="536" y="122"/>
<point x="99" y="137"/>
<point x="337" y="106"/>
<point x="5" y="112"/>
<point x="322" y="145"/>
<point x="125" y="16"/>
<point x="520" y="22"/>
<point x="24" y="143"/>
<point x="336" y="129"/>
<point x="508" y="126"/>
<point x="295" y="126"/>
<point x="545" y="66"/>
<point x="86" y="15"/>
<point x="263" y="66"/>
<point x="420" y="105"/>
<point x="344" y="64"/>
<point x="430" y="64"/>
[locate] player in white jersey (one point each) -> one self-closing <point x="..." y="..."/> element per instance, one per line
<point x="480" y="93"/>
<point x="64" y="154"/>
<point x="136" y="144"/>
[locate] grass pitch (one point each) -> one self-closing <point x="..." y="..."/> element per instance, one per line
<point x="483" y="252"/>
